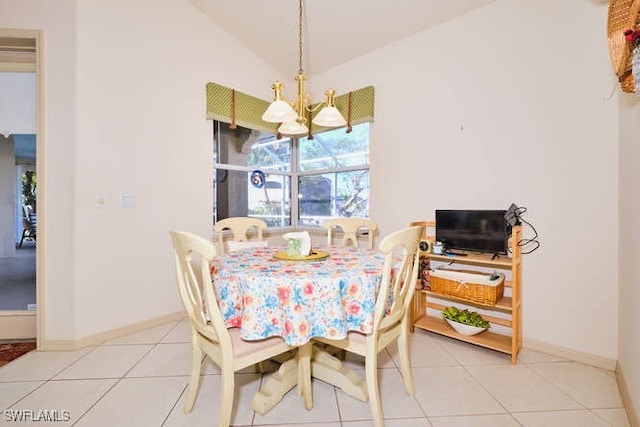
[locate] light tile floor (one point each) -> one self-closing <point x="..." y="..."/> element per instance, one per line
<point x="139" y="380"/>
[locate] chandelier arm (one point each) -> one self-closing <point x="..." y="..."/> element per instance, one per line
<point x="314" y="109"/>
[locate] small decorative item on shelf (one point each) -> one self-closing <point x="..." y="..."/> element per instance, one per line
<point x="464" y="321"/>
<point x="425" y="268"/>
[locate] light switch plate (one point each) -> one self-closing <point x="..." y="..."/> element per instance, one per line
<point x="127" y="201"/>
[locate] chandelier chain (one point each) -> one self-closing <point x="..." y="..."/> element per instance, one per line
<point x="300" y="37"/>
<point x="292" y="116"/>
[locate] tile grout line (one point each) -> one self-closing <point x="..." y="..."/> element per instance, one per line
<point x="459" y="364"/>
<point x="511" y="413"/>
<point x="96" y="402"/>
<point x="556" y="386"/>
<point x="114" y="384"/>
<point x="153" y="346"/>
<point x="491" y="394"/>
<point x="45" y="381"/>
<point x="584" y="407"/>
<point x="166" y="418"/>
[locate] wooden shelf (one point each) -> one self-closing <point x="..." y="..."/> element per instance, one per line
<point x="487" y="339"/>
<point x="474" y="258"/>
<point x="506" y="313"/>
<point x="503" y="305"/>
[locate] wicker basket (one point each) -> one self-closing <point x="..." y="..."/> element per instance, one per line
<point x="474" y="286"/>
<point x="623" y="15"/>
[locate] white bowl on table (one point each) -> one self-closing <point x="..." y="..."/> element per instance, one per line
<point x="463" y="329"/>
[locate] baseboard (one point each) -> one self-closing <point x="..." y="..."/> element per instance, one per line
<point x="632" y="414"/>
<point x="568" y="353"/>
<point x="592" y="360"/>
<point x="97" y="339"/>
<point x="17" y="324"/>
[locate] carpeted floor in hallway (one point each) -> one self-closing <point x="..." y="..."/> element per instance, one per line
<point x="12" y="350"/>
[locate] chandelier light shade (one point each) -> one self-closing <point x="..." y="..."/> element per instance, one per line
<point x="329" y="116"/>
<point x="292" y="116"/>
<point x="279" y="110"/>
<point x="293" y="128"/>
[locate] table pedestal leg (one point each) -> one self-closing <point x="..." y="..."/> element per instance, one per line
<point x="329" y="369"/>
<point x="304" y="374"/>
<point x="276" y="386"/>
<point x="298" y="371"/>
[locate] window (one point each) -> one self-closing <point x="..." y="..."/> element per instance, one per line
<point x="291" y="182"/>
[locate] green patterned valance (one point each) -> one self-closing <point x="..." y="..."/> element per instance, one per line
<point x="247" y="110"/>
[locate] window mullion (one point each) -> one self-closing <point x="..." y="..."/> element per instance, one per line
<point x="334" y="170"/>
<point x="295" y="190"/>
<point x="248" y="169"/>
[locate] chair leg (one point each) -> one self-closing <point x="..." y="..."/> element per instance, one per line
<point x="371" y="373"/>
<point x="22" y="238"/>
<point x="226" y="400"/>
<point x="405" y="362"/>
<point x="194" y="376"/>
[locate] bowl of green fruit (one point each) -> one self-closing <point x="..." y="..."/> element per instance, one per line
<point x="465" y="322"/>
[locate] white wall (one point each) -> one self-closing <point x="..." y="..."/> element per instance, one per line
<point x="141" y="72"/>
<point x="629" y="326"/>
<point x="125" y="113"/>
<point x="506" y="105"/>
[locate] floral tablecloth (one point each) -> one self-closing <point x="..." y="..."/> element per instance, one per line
<point x="298" y="300"/>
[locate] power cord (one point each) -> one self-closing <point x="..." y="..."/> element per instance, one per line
<point x="514" y="217"/>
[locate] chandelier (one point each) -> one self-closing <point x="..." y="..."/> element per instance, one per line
<point x="292" y="115"/>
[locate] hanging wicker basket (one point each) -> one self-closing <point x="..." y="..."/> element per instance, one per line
<point x="623" y="15"/>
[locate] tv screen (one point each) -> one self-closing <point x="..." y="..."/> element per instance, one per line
<point x="473" y="230"/>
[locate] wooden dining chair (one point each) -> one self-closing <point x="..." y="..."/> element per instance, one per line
<point x="239" y="227"/>
<point x="29" y="225"/>
<point x="350" y="227"/>
<point x="391" y="320"/>
<point x="209" y="335"/>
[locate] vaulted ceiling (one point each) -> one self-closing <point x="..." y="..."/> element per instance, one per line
<point x="335" y="31"/>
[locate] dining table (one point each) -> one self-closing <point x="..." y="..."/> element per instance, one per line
<point x="265" y="293"/>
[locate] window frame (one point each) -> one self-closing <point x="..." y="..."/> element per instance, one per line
<point x="294" y="175"/>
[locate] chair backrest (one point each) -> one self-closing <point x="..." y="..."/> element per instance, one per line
<point x="401" y="265"/>
<point x="350" y="227"/>
<point x="239" y="227"/>
<point x="193" y="255"/>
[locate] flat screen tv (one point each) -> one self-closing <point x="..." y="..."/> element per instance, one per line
<point x="473" y="230"/>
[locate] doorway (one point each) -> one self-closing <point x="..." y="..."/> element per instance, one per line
<point x="20" y="132"/>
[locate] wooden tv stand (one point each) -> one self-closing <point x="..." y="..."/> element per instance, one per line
<point x="510" y="306"/>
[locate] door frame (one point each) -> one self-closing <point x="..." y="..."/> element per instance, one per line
<point x="22" y="320"/>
